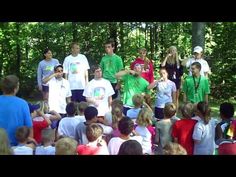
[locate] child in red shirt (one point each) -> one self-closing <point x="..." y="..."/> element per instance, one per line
<point x="182" y="130"/>
<point x="40" y="121"/>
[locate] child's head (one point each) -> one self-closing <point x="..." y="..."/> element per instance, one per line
<point x="226" y="110"/>
<point x="91" y="113"/>
<point x="81" y="107"/>
<point x="187" y="110"/>
<point x="48" y="135"/>
<point x="126" y="126"/>
<point x="33" y="109"/>
<point x="174" y="149"/>
<point x="144" y="117"/>
<point x="4" y="143"/>
<point x="66" y="146"/>
<point x="130" y="147"/>
<point x="169" y="110"/>
<point x="117" y="111"/>
<point x="203" y="111"/>
<point x="71" y="109"/>
<point x="22" y="134"/>
<point x="137" y="100"/>
<point x="94" y="132"/>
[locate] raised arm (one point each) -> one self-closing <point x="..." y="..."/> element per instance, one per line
<point x="122" y="73"/>
<point x="46" y="79"/>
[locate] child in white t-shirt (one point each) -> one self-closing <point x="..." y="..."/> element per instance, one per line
<point x="68" y="124"/>
<point x="144" y="128"/>
<point x="204" y="131"/>
<point x="47" y="148"/>
<point x="25" y="145"/>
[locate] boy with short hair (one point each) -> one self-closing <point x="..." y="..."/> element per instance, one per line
<point x="96" y="145"/>
<point x="138" y="102"/>
<point x="47" y="148"/>
<point x="24" y="147"/>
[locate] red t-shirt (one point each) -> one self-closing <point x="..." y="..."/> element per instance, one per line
<point x="183" y="131"/>
<point x="146" y="74"/>
<point x="38" y="126"/>
<point x="87" y="150"/>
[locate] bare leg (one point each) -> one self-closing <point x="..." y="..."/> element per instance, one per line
<point x="177" y="99"/>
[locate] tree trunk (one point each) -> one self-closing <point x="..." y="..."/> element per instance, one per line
<point x="146" y="31"/>
<point x="113" y="33"/>
<point x="198" y="34"/>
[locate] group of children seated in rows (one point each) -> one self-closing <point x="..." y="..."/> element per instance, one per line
<point x="83" y="133"/>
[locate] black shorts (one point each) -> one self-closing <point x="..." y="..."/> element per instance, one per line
<point x="45" y="88"/>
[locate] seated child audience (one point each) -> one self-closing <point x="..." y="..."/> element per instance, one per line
<point x="130" y="147"/>
<point x="47" y="148"/>
<point x="182" y="130"/>
<point x="126" y="128"/>
<point x="96" y="145"/>
<point x="66" y="146"/>
<point x="25" y="145"/>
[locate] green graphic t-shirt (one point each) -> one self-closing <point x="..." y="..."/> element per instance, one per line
<point x="133" y="85"/>
<point x="110" y="65"/>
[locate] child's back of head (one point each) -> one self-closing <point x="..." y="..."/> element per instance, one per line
<point x="130" y="147"/>
<point x="90" y="113"/>
<point x="126" y="126"/>
<point x="93" y="132"/>
<point x="204" y="111"/>
<point x="174" y="149"/>
<point x="226" y="110"/>
<point x="48" y="136"/>
<point x="117" y="114"/>
<point x="144" y="117"/>
<point x="81" y="107"/>
<point x="66" y="146"/>
<point x="22" y="134"/>
<point x="137" y="100"/>
<point x="187" y="110"/>
<point x="169" y="110"/>
<point x="71" y="109"/>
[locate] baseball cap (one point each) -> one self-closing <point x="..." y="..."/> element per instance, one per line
<point x="58" y="65"/>
<point x="197" y="49"/>
<point x="33" y="107"/>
